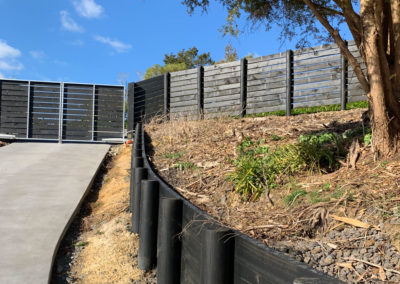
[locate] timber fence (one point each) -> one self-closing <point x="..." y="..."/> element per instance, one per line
<point x="188" y="246"/>
<point x="284" y="81"/>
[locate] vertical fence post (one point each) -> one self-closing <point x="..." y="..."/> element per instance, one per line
<point x="243" y="87"/>
<point x="148" y="224"/>
<point x="289" y="81"/>
<point x="167" y="94"/>
<point x="28" y="111"/>
<point x="131" y="111"/>
<point x="200" y="92"/>
<point x="61" y="114"/>
<point x="217" y="261"/>
<point x="169" y="245"/>
<point x="93" y="109"/>
<point x="343" y="80"/>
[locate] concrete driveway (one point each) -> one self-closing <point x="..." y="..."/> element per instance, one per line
<point x="41" y="188"/>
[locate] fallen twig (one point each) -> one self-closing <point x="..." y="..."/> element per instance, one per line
<point x="372" y="264"/>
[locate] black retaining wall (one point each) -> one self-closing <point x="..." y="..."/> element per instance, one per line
<point x="209" y="252"/>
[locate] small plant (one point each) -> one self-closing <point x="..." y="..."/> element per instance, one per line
<point x="174" y="156"/>
<point x="315" y="197"/>
<point x="326" y="186"/>
<point x="185" y="166"/>
<point x="274" y="137"/>
<point x="294" y="196"/>
<point x="367" y="139"/>
<point x="81" y="244"/>
<point x="98" y="204"/>
<point x="338" y="193"/>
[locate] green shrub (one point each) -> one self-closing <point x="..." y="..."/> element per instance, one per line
<point x="294" y="196"/>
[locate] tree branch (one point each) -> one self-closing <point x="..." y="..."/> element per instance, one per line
<point x="352" y="18"/>
<point x="342" y="45"/>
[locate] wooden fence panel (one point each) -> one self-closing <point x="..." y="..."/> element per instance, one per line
<point x="316" y="76"/>
<point x="266" y="83"/>
<point x="222" y="90"/>
<point x="183" y="93"/>
<point x="355" y="92"/>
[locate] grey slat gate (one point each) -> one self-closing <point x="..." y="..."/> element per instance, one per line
<point x="53" y="111"/>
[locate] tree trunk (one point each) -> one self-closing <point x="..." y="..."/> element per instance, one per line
<point x="384" y="108"/>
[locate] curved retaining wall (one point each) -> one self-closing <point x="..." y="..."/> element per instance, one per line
<point x="203" y="251"/>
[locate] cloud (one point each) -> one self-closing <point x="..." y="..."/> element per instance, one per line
<point x="37" y="54"/>
<point x="2" y="76"/>
<point x="116" y="44"/>
<point x="8" y="58"/>
<point x="88" y="8"/>
<point x="11" y="66"/>
<point x="68" y="23"/>
<point x="7" y="51"/>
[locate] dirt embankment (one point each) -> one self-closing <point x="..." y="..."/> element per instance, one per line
<point x="99" y="247"/>
<point x="344" y="222"/>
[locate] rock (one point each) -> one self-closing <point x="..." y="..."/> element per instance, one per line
<point x="327" y="261"/>
<point x="316" y="250"/>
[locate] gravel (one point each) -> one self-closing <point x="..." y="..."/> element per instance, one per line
<point x="331" y="254"/>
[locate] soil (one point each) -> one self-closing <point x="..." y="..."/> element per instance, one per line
<point x="3" y="144"/>
<point x="99" y="247"/>
<point x="197" y="156"/>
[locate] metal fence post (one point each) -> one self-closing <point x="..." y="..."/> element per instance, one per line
<point x="28" y="112"/>
<point x="93" y="108"/>
<point x="61" y="114"/>
<point x="289" y="81"/>
<point x="243" y="87"/>
<point x="343" y="81"/>
<point x="167" y="94"/>
<point x="200" y="92"/>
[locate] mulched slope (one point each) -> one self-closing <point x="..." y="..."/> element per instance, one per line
<point x="196" y="156"/>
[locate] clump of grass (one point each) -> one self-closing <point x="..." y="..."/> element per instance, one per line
<point x="260" y="168"/>
<point x="309" y="110"/>
<point x="185" y="166"/>
<point x="295" y="196"/>
<point x="81" y="244"/>
<point x="173" y="155"/>
<point x="274" y="137"/>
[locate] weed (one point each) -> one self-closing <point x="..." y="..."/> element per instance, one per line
<point x="259" y="168"/>
<point x="174" y="156"/>
<point x="326" y="186"/>
<point x="384" y="163"/>
<point x="185" y="166"/>
<point x="367" y="139"/>
<point x="337" y="193"/>
<point x="98" y="204"/>
<point x="308" y="110"/>
<point x="315" y="197"/>
<point x="81" y="244"/>
<point x="274" y="137"/>
<point x="294" y="196"/>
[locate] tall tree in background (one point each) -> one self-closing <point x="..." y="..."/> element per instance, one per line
<point x="230" y="54"/>
<point x="375" y="29"/>
<point x="184" y="59"/>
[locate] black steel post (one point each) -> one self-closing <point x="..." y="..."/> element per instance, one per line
<point x="343" y="81"/>
<point x="148" y="225"/>
<point x="200" y="92"/>
<point x="217" y="261"/>
<point x="169" y="245"/>
<point x="289" y="81"/>
<point x="139" y="175"/>
<point x="167" y="80"/>
<point x="243" y="87"/>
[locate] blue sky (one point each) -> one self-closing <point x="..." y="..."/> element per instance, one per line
<point x="104" y="42"/>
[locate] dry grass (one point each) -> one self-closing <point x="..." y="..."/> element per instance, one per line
<point x="196" y="157"/>
<point x="108" y="252"/>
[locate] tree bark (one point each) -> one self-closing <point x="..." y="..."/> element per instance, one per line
<point x="384" y="109"/>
